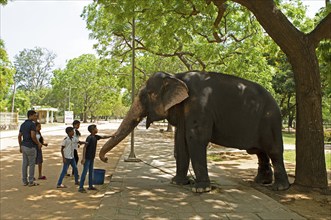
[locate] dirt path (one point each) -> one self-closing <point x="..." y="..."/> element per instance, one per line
<point x="46" y="201"/>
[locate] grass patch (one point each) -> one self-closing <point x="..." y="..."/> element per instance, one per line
<point x="289" y="138"/>
<point x="214" y="157"/>
<point x="289" y="156"/>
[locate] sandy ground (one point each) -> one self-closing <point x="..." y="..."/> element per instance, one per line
<point x="314" y="205"/>
<point x="46" y="201"/>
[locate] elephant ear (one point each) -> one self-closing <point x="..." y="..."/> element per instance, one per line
<point x="175" y="91"/>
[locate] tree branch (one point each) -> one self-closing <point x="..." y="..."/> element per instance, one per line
<point x="221" y="9"/>
<point x="276" y="24"/>
<point x="322" y="31"/>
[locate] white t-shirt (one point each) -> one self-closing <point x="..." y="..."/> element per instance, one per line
<point x="69" y="146"/>
<point x="77" y="140"/>
<point x="38" y="137"/>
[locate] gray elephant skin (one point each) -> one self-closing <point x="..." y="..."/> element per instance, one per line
<point x="210" y="107"/>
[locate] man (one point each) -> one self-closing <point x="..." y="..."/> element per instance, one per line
<point x="28" y="148"/>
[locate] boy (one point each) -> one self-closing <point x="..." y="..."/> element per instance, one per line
<point x="88" y="157"/>
<point x="67" y="151"/>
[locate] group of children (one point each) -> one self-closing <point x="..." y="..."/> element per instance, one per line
<point x="69" y="153"/>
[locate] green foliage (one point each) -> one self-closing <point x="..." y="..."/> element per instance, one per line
<point x="88" y="86"/>
<point x="289" y="156"/>
<point x="6" y="76"/>
<point x="289" y="138"/>
<point x="33" y="68"/>
<point x="327" y="136"/>
<point x="183" y="37"/>
<point x="296" y="12"/>
<point x="22" y="102"/>
<point x="324" y="57"/>
<point x="3" y="2"/>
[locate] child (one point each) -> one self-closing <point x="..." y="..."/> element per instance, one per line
<point x="88" y="157"/>
<point x="77" y="134"/>
<point x="39" y="158"/>
<point x="67" y="152"/>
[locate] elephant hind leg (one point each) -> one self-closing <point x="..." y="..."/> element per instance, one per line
<point x="272" y="144"/>
<point x="281" y="179"/>
<point x="264" y="173"/>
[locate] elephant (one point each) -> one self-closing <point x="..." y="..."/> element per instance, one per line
<point x="211" y="107"/>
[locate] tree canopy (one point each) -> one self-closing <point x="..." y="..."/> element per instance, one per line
<point x="34" y="72"/>
<point x="85" y="87"/>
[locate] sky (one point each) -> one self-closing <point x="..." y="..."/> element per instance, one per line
<point x="57" y="26"/>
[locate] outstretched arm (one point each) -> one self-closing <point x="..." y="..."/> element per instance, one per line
<point x="107" y="136"/>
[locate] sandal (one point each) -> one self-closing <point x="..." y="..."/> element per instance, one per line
<point x="61" y="186"/>
<point x="34" y="184"/>
<point x="42" y="178"/>
<point x="92" y="188"/>
<point x="81" y="190"/>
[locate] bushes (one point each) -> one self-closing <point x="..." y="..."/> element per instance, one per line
<point x="327" y="136"/>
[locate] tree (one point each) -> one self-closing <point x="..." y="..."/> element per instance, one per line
<point x="22" y="102"/>
<point x="85" y="87"/>
<point x="6" y="76"/>
<point x="181" y="26"/>
<point x="34" y="68"/>
<point x="33" y="72"/>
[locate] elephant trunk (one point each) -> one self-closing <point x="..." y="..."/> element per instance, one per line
<point x="130" y="121"/>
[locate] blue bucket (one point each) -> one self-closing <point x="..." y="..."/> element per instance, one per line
<point x="98" y="176"/>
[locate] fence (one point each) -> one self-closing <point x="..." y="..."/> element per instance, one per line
<point x="8" y="120"/>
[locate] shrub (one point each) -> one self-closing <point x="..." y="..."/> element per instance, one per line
<point x="327" y="136"/>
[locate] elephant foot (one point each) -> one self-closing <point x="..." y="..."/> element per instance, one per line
<point x="281" y="183"/>
<point x="280" y="186"/>
<point x="180" y="180"/>
<point x="201" y="187"/>
<point x="264" y="176"/>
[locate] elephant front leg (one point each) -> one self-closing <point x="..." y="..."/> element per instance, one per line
<point x="198" y="154"/>
<point x="182" y="160"/>
<point x="202" y="182"/>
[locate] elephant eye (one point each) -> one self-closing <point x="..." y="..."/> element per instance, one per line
<point x="152" y="95"/>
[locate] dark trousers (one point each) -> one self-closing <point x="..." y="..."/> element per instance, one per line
<point x="76" y="159"/>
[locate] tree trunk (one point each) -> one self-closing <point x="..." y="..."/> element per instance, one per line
<point x="310" y="157"/>
<point x="13" y="98"/>
<point x="300" y="49"/>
